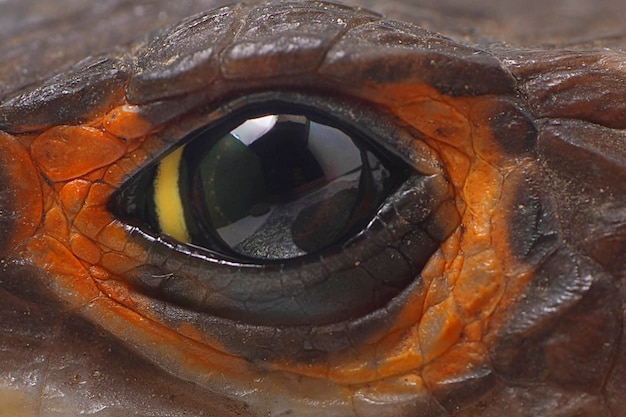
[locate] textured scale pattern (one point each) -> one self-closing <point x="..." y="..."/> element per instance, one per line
<point x="520" y="311"/>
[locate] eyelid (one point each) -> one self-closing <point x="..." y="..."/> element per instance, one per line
<point x="201" y="276"/>
<point x="381" y="126"/>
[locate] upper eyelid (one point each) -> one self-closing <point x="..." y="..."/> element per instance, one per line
<point x="374" y="122"/>
<point x="347" y="62"/>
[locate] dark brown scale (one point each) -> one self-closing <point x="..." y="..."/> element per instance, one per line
<point x="550" y="91"/>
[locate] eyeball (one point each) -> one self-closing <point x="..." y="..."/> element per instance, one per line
<point x="270" y="187"/>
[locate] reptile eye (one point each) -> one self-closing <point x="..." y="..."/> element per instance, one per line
<point x="268" y="187"/>
<point x="291" y="210"/>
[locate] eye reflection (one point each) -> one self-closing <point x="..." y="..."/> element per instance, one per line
<point x="274" y="187"/>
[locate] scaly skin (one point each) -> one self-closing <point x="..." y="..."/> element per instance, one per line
<point x="519" y="312"/>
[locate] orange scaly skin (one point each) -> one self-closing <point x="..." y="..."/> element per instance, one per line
<point x="439" y="333"/>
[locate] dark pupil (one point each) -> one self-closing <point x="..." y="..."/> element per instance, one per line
<point x="279" y="186"/>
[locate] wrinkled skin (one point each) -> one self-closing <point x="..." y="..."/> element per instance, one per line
<point x="518" y="116"/>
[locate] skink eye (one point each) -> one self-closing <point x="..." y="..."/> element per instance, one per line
<point x="286" y="213"/>
<point x="269" y="187"/>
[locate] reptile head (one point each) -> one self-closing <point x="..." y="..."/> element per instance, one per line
<point x="465" y="256"/>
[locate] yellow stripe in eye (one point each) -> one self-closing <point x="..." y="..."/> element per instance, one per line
<point x="167" y="202"/>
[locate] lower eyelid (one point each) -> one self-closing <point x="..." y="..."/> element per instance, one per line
<point x="330" y="282"/>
